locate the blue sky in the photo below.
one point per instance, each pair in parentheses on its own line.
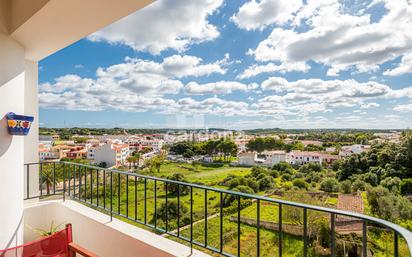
(238,65)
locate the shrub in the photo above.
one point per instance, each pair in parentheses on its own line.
(300,183)
(265,183)
(406,186)
(172,210)
(358,185)
(274,173)
(391,183)
(309,167)
(329,185)
(370,178)
(346,186)
(286,177)
(258,171)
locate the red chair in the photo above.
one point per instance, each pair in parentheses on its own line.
(60,244)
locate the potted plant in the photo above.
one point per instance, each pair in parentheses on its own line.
(52,244)
(18,124)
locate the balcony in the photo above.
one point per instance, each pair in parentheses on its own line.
(116,213)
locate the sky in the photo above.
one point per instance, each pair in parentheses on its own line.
(238,65)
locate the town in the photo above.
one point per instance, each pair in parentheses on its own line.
(124,150)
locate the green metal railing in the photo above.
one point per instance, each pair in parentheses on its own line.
(102,189)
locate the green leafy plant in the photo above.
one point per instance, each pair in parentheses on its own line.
(53,229)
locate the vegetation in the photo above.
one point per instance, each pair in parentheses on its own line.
(224,148)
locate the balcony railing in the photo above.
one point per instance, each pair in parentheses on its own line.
(137,197)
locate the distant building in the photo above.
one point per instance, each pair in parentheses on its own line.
(330,149)
(49,138)
(111,154)
(247,158)
(45,154)
(348,150)
(273,157)
(329,159)
(303,157)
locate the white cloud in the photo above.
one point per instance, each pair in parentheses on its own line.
(369,105)
(339,39)
(316,95)
(255,69)
(403,108)
(221,87)
(404,67)
(257,14)
(165,24)
(135,85)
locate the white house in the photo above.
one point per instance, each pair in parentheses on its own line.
(45,154)
(247,158)
(303,157)
(274,157)
(111,154)
(348,150)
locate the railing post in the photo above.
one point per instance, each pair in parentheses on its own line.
(28,181)
(155,204)
(364,239)
(191,220)
(166,204)
(104,189)
(145,200)
(118,192)
(205,217)
(238,225)
(332,235)
(395,244)
(305,232)
(280,230)
(178,210)
(91,186)
(97,187)
(221,223)
(258,228)
(135,197)
(64,182)
(111,196)
(54,178)
(127,196)
(41,179)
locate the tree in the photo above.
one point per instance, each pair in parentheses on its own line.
(171,211)
(257,145)
(156,162)
(173,188)
(227,148)
(47,179)
(330,185)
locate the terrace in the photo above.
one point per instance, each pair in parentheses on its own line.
(115,213)
(119,204)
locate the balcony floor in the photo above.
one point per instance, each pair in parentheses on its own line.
(94,231)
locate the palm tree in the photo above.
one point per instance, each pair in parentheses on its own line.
(47,178)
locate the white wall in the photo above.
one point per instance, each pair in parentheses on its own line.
(12,78)
(105,154)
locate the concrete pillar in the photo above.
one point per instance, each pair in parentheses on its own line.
(31,141)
